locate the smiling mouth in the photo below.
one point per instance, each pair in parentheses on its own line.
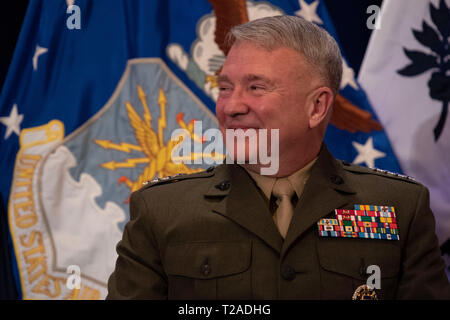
(241,127)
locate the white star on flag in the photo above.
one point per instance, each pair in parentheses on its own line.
(39,51)
(12,122)
(367,153)
(348,76)
(308,11)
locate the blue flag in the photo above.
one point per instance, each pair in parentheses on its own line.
(93,93)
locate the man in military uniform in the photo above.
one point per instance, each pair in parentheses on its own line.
(232,233)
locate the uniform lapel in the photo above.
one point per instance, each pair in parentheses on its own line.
(242,203)
(326,189)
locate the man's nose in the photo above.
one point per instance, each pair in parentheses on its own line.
(236,104)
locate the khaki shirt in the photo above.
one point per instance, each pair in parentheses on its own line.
(297,179)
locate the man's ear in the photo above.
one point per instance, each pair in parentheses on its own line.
(322,100)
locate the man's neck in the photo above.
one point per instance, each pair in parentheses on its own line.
(287,165)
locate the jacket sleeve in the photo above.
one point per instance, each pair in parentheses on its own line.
(138,273)
(422,273)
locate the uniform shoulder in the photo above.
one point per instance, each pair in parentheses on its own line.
(356,169)
(178,177)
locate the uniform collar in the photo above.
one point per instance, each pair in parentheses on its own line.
(236,196)
(297,179)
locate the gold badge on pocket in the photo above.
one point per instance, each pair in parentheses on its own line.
(363,292)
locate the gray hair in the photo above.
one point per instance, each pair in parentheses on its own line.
(313,42)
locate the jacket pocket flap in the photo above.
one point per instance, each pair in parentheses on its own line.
(206,260)
(352,257)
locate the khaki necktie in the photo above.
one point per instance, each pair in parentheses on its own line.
(283,191)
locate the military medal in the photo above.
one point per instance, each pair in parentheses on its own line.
(363,292)
(364,221)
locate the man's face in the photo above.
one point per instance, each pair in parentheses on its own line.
(263,89)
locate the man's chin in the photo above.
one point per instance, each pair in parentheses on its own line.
(253,148)
(243,154)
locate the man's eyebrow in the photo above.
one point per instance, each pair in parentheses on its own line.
(223,78)
(247,78)
(257,77)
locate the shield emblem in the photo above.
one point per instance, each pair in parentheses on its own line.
(69,196)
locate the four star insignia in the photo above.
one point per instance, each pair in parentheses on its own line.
(12,122)
(309,11)
(367,153)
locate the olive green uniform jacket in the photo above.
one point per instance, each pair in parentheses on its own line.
(211,236)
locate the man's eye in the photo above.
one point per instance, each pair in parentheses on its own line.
(225,91)
(224,88)
(256,88)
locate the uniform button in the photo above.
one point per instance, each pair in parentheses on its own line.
(205,269)
(224,185)
(287,272)
(336,179)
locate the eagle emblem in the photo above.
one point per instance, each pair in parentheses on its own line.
(156,153)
